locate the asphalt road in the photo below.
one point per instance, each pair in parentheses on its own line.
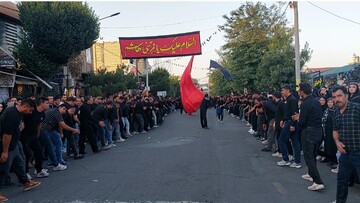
(181,162)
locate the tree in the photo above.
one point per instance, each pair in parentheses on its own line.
(104,82)
(159,80)
(53,33)
(259,50)
(174,86)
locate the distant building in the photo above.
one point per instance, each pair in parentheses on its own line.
(106,55)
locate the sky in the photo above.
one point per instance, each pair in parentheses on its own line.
(333,39)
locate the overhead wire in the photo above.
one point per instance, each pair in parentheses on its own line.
(352,21)
(161,25)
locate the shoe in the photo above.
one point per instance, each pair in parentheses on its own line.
(291,158)
(283,163)
(29,176)
(3,198)
(104,148)
(333,201)
(266,150)
(45,170)
(120,140)
(59,167)
(112,145)
(143,132)
(295,165)
(42,174)
(31,184)
(316,187)
(264,142)
(251,131)
(129,135)
(155,126)
(276,154)
(135,133)
(335,170)
(307,177)
(262,139)
(318,157)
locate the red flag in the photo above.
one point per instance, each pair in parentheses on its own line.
(191,96)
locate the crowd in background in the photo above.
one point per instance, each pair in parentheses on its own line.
(54,129)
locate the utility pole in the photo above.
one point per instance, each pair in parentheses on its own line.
(297,44)
(147,77)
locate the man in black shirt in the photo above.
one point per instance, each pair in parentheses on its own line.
(310,124)
(30,136)
(290,130)
(87,126)
(11,123)
(205,103)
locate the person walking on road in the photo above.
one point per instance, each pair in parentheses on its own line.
(203,108)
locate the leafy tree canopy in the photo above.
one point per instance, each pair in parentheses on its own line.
(259,50)
(54,32)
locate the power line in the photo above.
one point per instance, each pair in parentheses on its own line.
(162,25)
(334,14)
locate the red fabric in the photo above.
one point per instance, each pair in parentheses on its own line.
(191,96)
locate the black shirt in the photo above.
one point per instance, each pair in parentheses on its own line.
(205,103)
(31,122)
(100,113)
(291,106)
(310,113)
(10,124)
(279,114)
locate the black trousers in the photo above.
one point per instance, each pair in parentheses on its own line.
(71,146)
(34,146)
(203,119)
(87,131)
(310,142)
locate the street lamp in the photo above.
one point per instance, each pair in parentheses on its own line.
(112,15)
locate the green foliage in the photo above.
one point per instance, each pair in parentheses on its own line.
(110,82)
(54,32)
(159,80)
(259,51)
(174,89)
(95,91)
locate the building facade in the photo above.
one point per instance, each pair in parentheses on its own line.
(106,55)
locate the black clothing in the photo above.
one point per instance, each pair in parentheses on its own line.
(125,109)
(269,110)
(87,129)
(279,114)
(10,124)
(355,98)
(203,108)
(31,123)
(100,113)
(310,113)
(329,143)
(291,106)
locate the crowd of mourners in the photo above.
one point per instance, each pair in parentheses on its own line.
(55,129)
(320,124)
